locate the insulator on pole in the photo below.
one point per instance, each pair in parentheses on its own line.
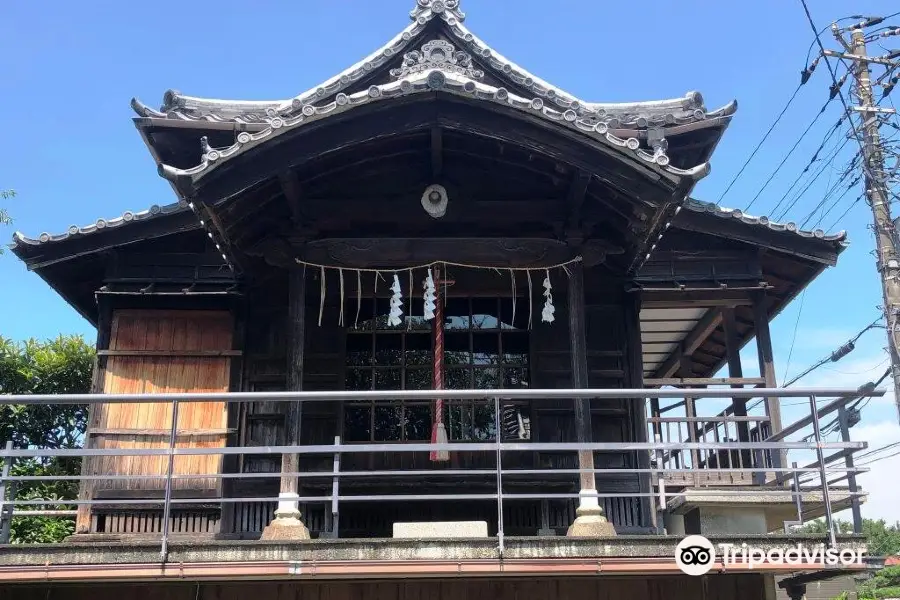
(842,351)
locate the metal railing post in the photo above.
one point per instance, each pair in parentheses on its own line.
(798,496)
(335,490)
(826,497)
(6,510)
(167,501)
(661,483)
(498,437)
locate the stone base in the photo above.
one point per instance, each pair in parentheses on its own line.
(444,529)
(285,528)
(590,522)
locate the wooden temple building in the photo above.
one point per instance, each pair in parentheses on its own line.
(433,217)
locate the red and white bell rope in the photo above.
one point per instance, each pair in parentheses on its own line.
(438,430)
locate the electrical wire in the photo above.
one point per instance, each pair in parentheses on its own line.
(831,191)
(834,356)
(844,214)
(838,354)
(860,402)
(815,158)
(853,183)
(759,145)
(791,151)
(840,93)
(875,460)
(794,337)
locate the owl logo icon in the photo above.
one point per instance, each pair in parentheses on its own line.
(695,555)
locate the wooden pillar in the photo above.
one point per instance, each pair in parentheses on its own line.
(590,520)
(287,523)
(638,408)
(767,371)
(766,360)
(104,334)
(732,348)
(231,463)
(844,423)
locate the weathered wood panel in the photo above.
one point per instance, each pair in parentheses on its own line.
(145,425)
(715,587)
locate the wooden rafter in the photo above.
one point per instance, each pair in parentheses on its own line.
(290,185)
(705,326)
(575,199)
(437,153)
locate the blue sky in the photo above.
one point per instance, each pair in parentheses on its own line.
(73,155)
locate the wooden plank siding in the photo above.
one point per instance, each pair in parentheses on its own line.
(182,335)
(744,586)
(552,420)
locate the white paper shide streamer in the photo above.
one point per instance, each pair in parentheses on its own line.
(549,309)
(396,302)
(429,296)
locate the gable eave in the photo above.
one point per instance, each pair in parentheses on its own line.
(674,116)
(424,82)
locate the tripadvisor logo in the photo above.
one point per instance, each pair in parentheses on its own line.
(696,555)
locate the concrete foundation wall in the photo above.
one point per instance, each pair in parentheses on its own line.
(716,587)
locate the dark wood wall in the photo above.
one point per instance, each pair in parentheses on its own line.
(263,423)
(715,587)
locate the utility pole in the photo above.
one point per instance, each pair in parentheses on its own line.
(876,191)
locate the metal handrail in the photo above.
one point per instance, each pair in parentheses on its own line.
(660,473)
(511,394)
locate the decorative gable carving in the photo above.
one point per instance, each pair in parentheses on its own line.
(437,54)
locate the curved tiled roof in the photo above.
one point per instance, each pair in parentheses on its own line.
(639,128)
(762,221)
(155,211)
(426,81)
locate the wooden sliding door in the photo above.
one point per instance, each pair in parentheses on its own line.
(152,352)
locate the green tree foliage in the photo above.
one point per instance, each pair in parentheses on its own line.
(60,366)
(4,216)
(5,219)
(885,584)
(882,539)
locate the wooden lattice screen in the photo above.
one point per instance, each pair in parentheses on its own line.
(155,351)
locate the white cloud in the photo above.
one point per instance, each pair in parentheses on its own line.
(852,372)
(881,483)
(878,426)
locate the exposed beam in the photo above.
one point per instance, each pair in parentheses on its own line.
(735,370)
(477,210)
(290,185)
(707,324)
(227,246)
(805,248)
(437,153)
(695,298)
(575,200)
(388,252)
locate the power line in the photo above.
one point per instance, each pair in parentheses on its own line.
(815,158)
(834,80)
(831,191)
(837,201)
(837,354)
(791,151)
(865,400)
(764,138)
(844,214)
(794,337)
